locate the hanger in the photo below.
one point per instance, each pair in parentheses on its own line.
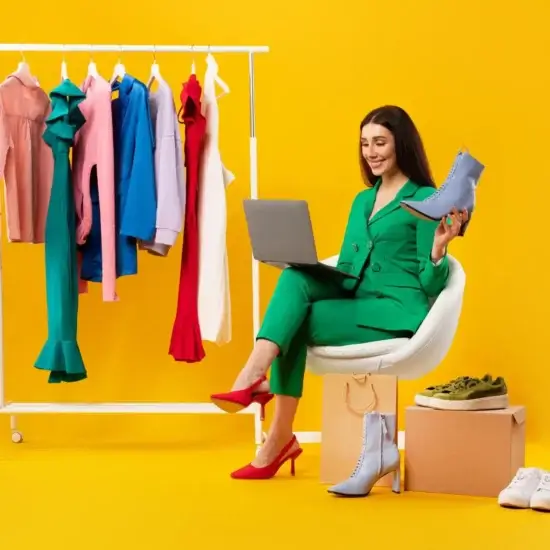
(64,72)
(211,62)
(119,70)
(92,67)
(193,68)
(155,70)
(23,68)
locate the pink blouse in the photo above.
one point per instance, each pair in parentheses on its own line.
(94,147)
(26,162)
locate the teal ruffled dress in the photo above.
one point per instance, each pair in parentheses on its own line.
(61,354)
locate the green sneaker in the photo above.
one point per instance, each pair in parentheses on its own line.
(472,395)
(422,399)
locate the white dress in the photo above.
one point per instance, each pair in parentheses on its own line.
(214,300)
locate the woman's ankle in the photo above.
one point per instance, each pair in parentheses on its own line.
(272,447)
(263,387)
(247,377)
(280,436)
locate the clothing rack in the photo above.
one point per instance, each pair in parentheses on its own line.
(14,409)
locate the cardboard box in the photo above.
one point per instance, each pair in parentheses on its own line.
(473,453)
(346,399)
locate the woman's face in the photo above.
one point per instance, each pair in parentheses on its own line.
(378,149)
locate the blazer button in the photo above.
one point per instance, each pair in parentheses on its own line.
(376,267)
(355,247)
(369,246)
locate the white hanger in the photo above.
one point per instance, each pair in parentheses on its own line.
(211,62)
(92,67)
(64,72)
(23,68)
(193,68)
(119,70)
(155,71)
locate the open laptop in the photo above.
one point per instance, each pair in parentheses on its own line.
(281,235)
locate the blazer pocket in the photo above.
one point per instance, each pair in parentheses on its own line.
(400,280)
(345,266)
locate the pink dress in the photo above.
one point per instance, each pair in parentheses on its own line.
(93,159)
(26,162)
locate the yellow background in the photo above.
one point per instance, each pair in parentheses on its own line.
(470,73)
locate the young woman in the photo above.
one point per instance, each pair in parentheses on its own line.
(397,262)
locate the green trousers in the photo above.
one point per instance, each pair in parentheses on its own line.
(307,310)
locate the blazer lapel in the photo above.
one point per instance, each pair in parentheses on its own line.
(408,190)
(369,200)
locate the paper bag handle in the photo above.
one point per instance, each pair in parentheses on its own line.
(361,379)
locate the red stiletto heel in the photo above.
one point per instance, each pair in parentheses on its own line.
(269,471)
(263,399)
(293,463)
(234,401)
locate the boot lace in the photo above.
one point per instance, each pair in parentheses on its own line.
(361,458)
(383,433)
(449,178)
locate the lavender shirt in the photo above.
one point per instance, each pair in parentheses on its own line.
(169,171)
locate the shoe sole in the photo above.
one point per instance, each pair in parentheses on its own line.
(481,404)
(418,214)
(541,508)
(227,406)
(422,400)
(345,495)
(513,506)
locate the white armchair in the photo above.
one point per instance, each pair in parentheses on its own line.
(405,358)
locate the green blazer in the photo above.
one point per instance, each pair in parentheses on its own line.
(392,255)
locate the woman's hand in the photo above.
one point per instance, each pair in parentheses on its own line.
(448,228)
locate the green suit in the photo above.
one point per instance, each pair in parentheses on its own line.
(391,255)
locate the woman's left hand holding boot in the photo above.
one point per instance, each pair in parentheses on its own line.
(448,228)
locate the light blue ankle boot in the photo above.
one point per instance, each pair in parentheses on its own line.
(458,191)
(379,456)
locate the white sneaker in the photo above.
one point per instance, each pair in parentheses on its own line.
(518,494)
(540,499)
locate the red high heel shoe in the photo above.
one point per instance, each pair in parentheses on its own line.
(234,401)
(269,471)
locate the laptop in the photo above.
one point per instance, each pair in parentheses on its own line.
(281,235)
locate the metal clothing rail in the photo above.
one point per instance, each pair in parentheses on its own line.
(14,409)
(130,48)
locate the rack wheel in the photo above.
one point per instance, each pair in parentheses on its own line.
(17,437)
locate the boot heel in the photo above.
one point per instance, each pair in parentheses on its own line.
(396,485)
(463,228)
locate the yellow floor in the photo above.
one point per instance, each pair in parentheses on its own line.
(171,497)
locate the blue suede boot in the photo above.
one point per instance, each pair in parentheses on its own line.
(458,191)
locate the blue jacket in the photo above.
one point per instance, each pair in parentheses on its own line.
(136,195)
(135,189)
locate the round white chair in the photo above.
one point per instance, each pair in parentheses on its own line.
(406,358)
